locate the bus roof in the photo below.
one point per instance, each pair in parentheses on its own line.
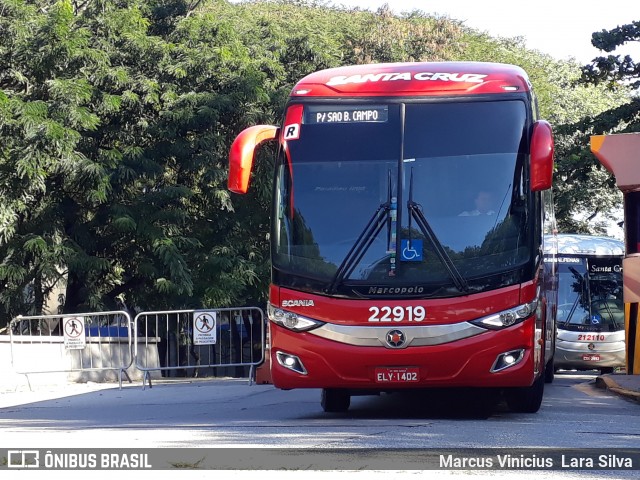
(579,244)
(414,78)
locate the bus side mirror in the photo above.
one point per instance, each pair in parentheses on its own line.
(541,156)
(242,152)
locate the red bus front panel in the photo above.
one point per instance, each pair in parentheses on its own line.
(465,363)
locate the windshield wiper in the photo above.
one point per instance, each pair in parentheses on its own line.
(415,211)
(362,243)
(609,311)
(582,281)
(567,322)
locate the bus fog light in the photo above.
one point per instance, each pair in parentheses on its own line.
(291,362)
(507,359)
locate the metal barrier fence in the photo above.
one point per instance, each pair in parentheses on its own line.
(84,343)
(191,343)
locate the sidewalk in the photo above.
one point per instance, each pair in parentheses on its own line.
(625,385)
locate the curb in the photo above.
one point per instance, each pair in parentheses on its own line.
(608,383)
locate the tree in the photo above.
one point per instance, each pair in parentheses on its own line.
(43,114)
(614,69)
(114,146)
(586,187)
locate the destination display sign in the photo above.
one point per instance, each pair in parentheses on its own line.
(324,114)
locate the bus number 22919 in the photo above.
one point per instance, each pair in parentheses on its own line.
(397,314)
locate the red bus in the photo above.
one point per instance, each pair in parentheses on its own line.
(410,204)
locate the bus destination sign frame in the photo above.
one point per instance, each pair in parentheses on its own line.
(332,114)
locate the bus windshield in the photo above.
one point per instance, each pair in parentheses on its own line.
(430,194)
(590,294)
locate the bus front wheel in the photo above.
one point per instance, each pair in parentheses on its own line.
(335,400)
(526,399)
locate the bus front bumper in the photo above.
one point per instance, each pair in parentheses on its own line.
(587,356)
(305,360)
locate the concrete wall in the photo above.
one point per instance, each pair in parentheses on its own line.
(45,360)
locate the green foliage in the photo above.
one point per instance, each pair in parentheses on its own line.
(614,69)
(615,74)
(116,118)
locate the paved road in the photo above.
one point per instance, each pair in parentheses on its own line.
(231,413)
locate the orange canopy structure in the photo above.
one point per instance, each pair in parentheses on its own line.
(620,154)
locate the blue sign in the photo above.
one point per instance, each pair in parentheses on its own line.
(411,250)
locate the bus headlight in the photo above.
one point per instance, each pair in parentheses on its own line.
(507,318)
(290,320)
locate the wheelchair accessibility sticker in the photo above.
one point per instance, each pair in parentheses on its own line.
(411,250)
